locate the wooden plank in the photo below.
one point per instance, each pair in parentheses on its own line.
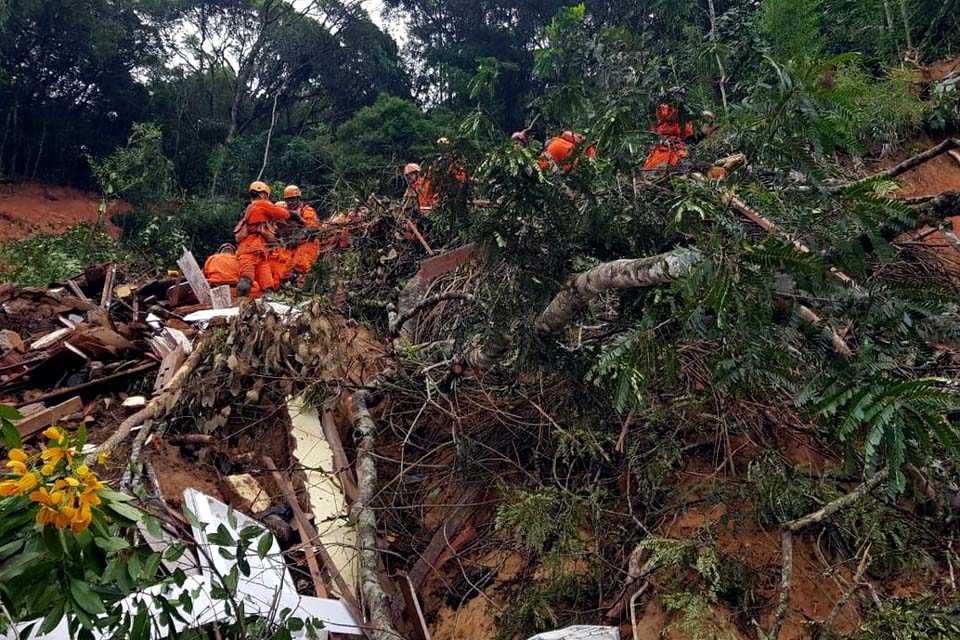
(107,296)
(415,613)
(168,367)
(341,464)
(194,275)
(220,297)
(30,425)
(59,393)
(447,531)
(77,291)
(50,339)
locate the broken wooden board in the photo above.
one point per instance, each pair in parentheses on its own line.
(40,420)
(446,532)
(221,298)
(119,375)
(168,367)
(194,275)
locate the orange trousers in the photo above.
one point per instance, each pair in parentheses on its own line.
(306,255)
(281,264)
(664,156)
(254,263)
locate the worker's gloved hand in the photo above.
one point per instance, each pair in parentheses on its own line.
(295,277)
(296,217)
(244,287)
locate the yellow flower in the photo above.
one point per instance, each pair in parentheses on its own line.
(82,519)
(50,508)
(54,434)
(19,486)
(16,464)
(53,456)
(103,457)
(65,483)
(48,469)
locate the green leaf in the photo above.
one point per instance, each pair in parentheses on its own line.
(140,629)
(52,619)
(151,566)
(81,436)
(11,437)
(125,511)
(133,568)
(263,546)
(222,537)
(17,565)
(9,413)
(174,552)
(192,518)
(111,544)
(85,597)
(114,496)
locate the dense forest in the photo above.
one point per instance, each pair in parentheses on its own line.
(714,401)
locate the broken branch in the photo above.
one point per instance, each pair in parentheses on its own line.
(577,293)
(903,167)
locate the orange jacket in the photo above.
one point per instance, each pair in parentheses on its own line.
(670,150)
(423,189)
(559,151)
(260,213)
(222,268)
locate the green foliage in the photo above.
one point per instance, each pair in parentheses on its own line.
(46,259)
(139,173)
(781,494)
(896,418)
(792,28)
(910,619)
(546,606)
(540,519)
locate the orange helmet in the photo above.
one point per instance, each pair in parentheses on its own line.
(292,191)
(411,168)
(226,247)
(568,136)
(444,141)
(259,187)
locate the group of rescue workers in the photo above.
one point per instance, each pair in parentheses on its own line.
(277,244)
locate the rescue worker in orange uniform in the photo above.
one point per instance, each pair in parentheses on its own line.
(558,152)
(223,268)
(255,233)
(671,149)
(419,187)
(307,252)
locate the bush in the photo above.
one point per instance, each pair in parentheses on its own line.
(45,259)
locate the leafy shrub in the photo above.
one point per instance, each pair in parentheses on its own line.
(792,27)
(139,172)
(44,259)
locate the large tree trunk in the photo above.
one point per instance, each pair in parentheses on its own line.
(573,299)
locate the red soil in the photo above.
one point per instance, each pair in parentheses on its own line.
(31,208)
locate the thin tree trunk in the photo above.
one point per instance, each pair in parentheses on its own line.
(905,16)
(365,520)
(13,139)
(716,52)
(890,28)
(36,163)
(273,123)
(3,141)
(574,297)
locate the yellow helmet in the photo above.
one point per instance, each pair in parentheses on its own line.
(292,191)
(411,168)
(259,187)
(444,141)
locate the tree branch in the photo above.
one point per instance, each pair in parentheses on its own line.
(799,524)
(903,167)
(577,293)
(397,325)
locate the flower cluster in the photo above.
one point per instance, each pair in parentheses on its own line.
(64,489)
